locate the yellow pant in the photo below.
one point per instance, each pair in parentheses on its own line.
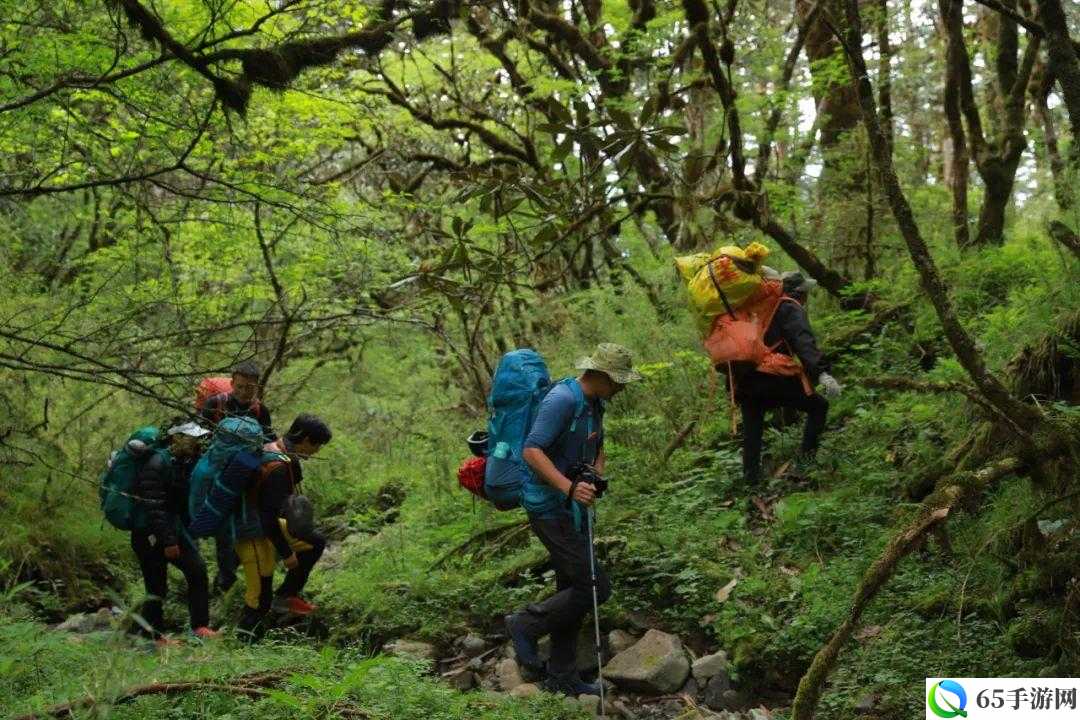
(258,556)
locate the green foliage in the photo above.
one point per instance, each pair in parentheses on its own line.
(316,684)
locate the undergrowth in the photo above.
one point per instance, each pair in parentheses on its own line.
(686,549)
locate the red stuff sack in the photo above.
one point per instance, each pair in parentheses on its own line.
(470,476)
(209,387)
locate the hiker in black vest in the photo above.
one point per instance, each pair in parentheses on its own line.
(757,392)
(275,523)
(567,433)
(242,401)
(160,489)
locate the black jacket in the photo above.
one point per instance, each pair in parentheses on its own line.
(219,407)
(276,488)
(266,497)
(158,488)
(791,328)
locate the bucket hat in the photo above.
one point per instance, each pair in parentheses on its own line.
(612,360)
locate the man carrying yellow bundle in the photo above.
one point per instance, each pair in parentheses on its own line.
(769,386)
(756,330)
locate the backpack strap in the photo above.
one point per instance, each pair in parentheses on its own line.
(579,400)
(808,388)
(271,465)
(772,314)
(271,461)
(716,284)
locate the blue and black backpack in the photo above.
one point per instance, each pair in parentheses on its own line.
(520,383)
(210,500)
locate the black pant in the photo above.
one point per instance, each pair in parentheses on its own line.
(297,578)
(561,614)
(757,393)
(155,573)
(250,624)
(227,562)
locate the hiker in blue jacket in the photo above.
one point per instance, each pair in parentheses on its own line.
(568,431)
(242,401)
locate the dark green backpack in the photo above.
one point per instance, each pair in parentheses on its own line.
(115,486)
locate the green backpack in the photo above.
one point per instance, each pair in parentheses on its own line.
(115,486)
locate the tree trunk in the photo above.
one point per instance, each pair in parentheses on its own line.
(1049,151)
(997,156)
(837,218)
(998,184)
(1064,64)
(835,98)
(961,342)
(885,70)
(956,168)
(1061,232)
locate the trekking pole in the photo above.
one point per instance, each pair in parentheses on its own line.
(596,611)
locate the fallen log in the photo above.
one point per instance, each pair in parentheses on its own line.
(250,685)
(492,534)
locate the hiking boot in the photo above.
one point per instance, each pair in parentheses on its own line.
(570,684)
(525,647)
(205,633)
(293,604)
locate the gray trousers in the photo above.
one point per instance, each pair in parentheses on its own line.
(560,615)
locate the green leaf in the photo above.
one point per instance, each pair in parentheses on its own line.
(648,111)
(622,119)
(560,111)
(553,128)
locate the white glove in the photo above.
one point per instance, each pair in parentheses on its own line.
(830,388)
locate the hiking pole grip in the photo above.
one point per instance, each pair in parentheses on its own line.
(570,494)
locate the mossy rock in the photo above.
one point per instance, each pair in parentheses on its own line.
(747,655)
(934,603)
(390,497)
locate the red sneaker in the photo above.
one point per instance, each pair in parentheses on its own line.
(205,633)
(163,642)
(295,605)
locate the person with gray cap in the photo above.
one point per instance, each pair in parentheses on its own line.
(757,392)
(160,487)
(565,450)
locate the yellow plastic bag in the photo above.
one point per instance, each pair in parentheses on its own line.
(688,265)
(735,270)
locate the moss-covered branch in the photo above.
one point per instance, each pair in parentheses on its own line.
(276,67)
(250,685)
(934,512)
